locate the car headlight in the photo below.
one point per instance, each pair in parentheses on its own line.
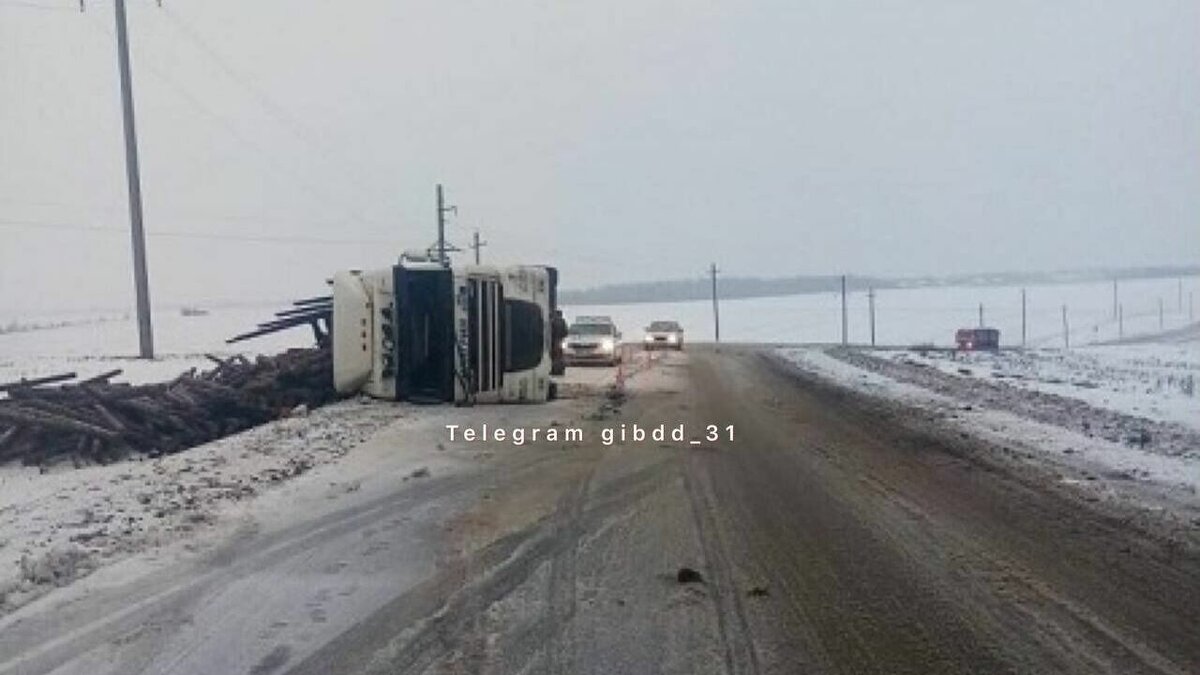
(649,338)
(607,344)
(671,338)
(564,344)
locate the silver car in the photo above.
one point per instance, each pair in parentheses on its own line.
(664,335)
(595,342)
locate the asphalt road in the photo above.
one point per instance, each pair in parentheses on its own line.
(832,534)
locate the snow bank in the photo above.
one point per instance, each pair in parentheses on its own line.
(1170,473)
(59,525)
(1156,382)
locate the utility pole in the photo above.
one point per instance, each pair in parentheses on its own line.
(1023,324)
(1066,329)
(476,244)
(1121,321)
(1115,308)
(712,272)
(981,315)
(871,306)
(845,318)
(141,283)
(442,210)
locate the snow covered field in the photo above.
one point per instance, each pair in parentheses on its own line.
(1155,381)
(916,316)
(94,343)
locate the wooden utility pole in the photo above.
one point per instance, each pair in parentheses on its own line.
(1121,321)
(442,210)
(981,315)
(1023,324)
(845,316)
(141,283)
(712,272)
(477,244)
(1115,308)
(871,310)
(1066,329)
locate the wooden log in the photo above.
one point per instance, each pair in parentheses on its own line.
(10,435)
(177,395)
(109,417)
(19,446)
(82,445)
(103,377)
(77,413)
(37,381)
(110,392)
(21,415)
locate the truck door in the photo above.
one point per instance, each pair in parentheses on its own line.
(425,334)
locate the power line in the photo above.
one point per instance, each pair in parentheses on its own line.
(284,167)
(275,110)
(28,4)
(188,216)
(179,234)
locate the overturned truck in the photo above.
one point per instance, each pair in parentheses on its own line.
(420,331)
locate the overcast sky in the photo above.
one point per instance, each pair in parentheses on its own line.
(621,140)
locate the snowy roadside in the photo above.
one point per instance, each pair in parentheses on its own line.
(59,525)
(1164,477)
(1152,381)
(1123,427)
(73,529)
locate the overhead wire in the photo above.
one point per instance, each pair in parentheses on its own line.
(277,111)
(182,234)
(29,4)
(202,107)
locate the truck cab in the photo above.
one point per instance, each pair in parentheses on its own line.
(423,332)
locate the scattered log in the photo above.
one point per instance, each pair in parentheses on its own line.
(103,377)
(34,418)
(37,381)
(9,435)
(99,421)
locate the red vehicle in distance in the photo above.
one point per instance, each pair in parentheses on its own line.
(977,339)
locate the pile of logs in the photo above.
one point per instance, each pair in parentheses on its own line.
(99,421)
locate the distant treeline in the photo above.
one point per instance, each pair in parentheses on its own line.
(755,287)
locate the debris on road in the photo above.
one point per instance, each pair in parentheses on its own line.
(98,421)
(687,575)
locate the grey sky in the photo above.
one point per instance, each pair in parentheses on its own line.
(619,140)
